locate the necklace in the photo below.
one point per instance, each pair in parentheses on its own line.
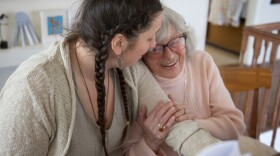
(181,99)
(87,89)
(185,85)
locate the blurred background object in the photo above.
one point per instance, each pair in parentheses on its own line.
(24,31)
(3,30)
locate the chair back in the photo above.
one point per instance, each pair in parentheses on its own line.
(239,79)
(265,41)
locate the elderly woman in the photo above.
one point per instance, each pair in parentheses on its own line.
(192,80)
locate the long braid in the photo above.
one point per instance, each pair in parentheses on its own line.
(125,102)
(100,60)
(124,95)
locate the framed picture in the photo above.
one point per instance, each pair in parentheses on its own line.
(53,24)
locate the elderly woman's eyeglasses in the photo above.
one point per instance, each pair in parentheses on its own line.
(174,45)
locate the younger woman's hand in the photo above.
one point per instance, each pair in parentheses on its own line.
(156,124)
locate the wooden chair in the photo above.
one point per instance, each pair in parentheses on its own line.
(238,79)
(265,41)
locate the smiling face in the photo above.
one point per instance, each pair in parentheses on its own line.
(169,63)
(144,41)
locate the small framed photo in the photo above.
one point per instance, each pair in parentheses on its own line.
(53,24)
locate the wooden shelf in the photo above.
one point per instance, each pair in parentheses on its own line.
(15,56)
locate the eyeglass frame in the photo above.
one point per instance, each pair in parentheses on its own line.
(151,50)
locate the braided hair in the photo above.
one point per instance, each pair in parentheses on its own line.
(96,23)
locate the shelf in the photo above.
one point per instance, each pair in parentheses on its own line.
(15,56)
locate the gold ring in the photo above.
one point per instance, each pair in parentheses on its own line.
(187,111)
(161,128)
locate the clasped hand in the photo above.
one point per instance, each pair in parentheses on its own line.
(157,123)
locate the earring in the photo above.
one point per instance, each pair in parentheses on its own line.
(119,61)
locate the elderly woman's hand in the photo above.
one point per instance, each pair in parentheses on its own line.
(183,112)
(156,124)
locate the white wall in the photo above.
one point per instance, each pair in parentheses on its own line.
(260,12)
(195,12)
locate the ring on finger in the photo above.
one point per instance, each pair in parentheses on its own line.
(186,111)
(161,128)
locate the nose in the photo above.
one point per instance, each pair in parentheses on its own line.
(168,53)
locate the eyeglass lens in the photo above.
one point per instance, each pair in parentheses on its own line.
(174,45)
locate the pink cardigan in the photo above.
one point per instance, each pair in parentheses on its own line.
(206,97)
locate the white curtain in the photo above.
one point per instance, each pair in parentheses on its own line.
(225,12)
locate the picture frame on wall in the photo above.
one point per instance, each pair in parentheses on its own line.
(53,24)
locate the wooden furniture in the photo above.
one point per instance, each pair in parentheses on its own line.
(238,79)
(247,146)
(267,34)
(276,117)
(255,147)
(226,37)
(266,41)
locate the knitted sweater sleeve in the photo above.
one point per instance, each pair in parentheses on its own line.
(226,121)
(145,90)
(25,129)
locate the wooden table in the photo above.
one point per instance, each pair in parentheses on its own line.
(255,147)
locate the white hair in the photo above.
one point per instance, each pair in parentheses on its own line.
(174,19)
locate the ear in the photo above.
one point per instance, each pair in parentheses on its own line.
(119,43)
